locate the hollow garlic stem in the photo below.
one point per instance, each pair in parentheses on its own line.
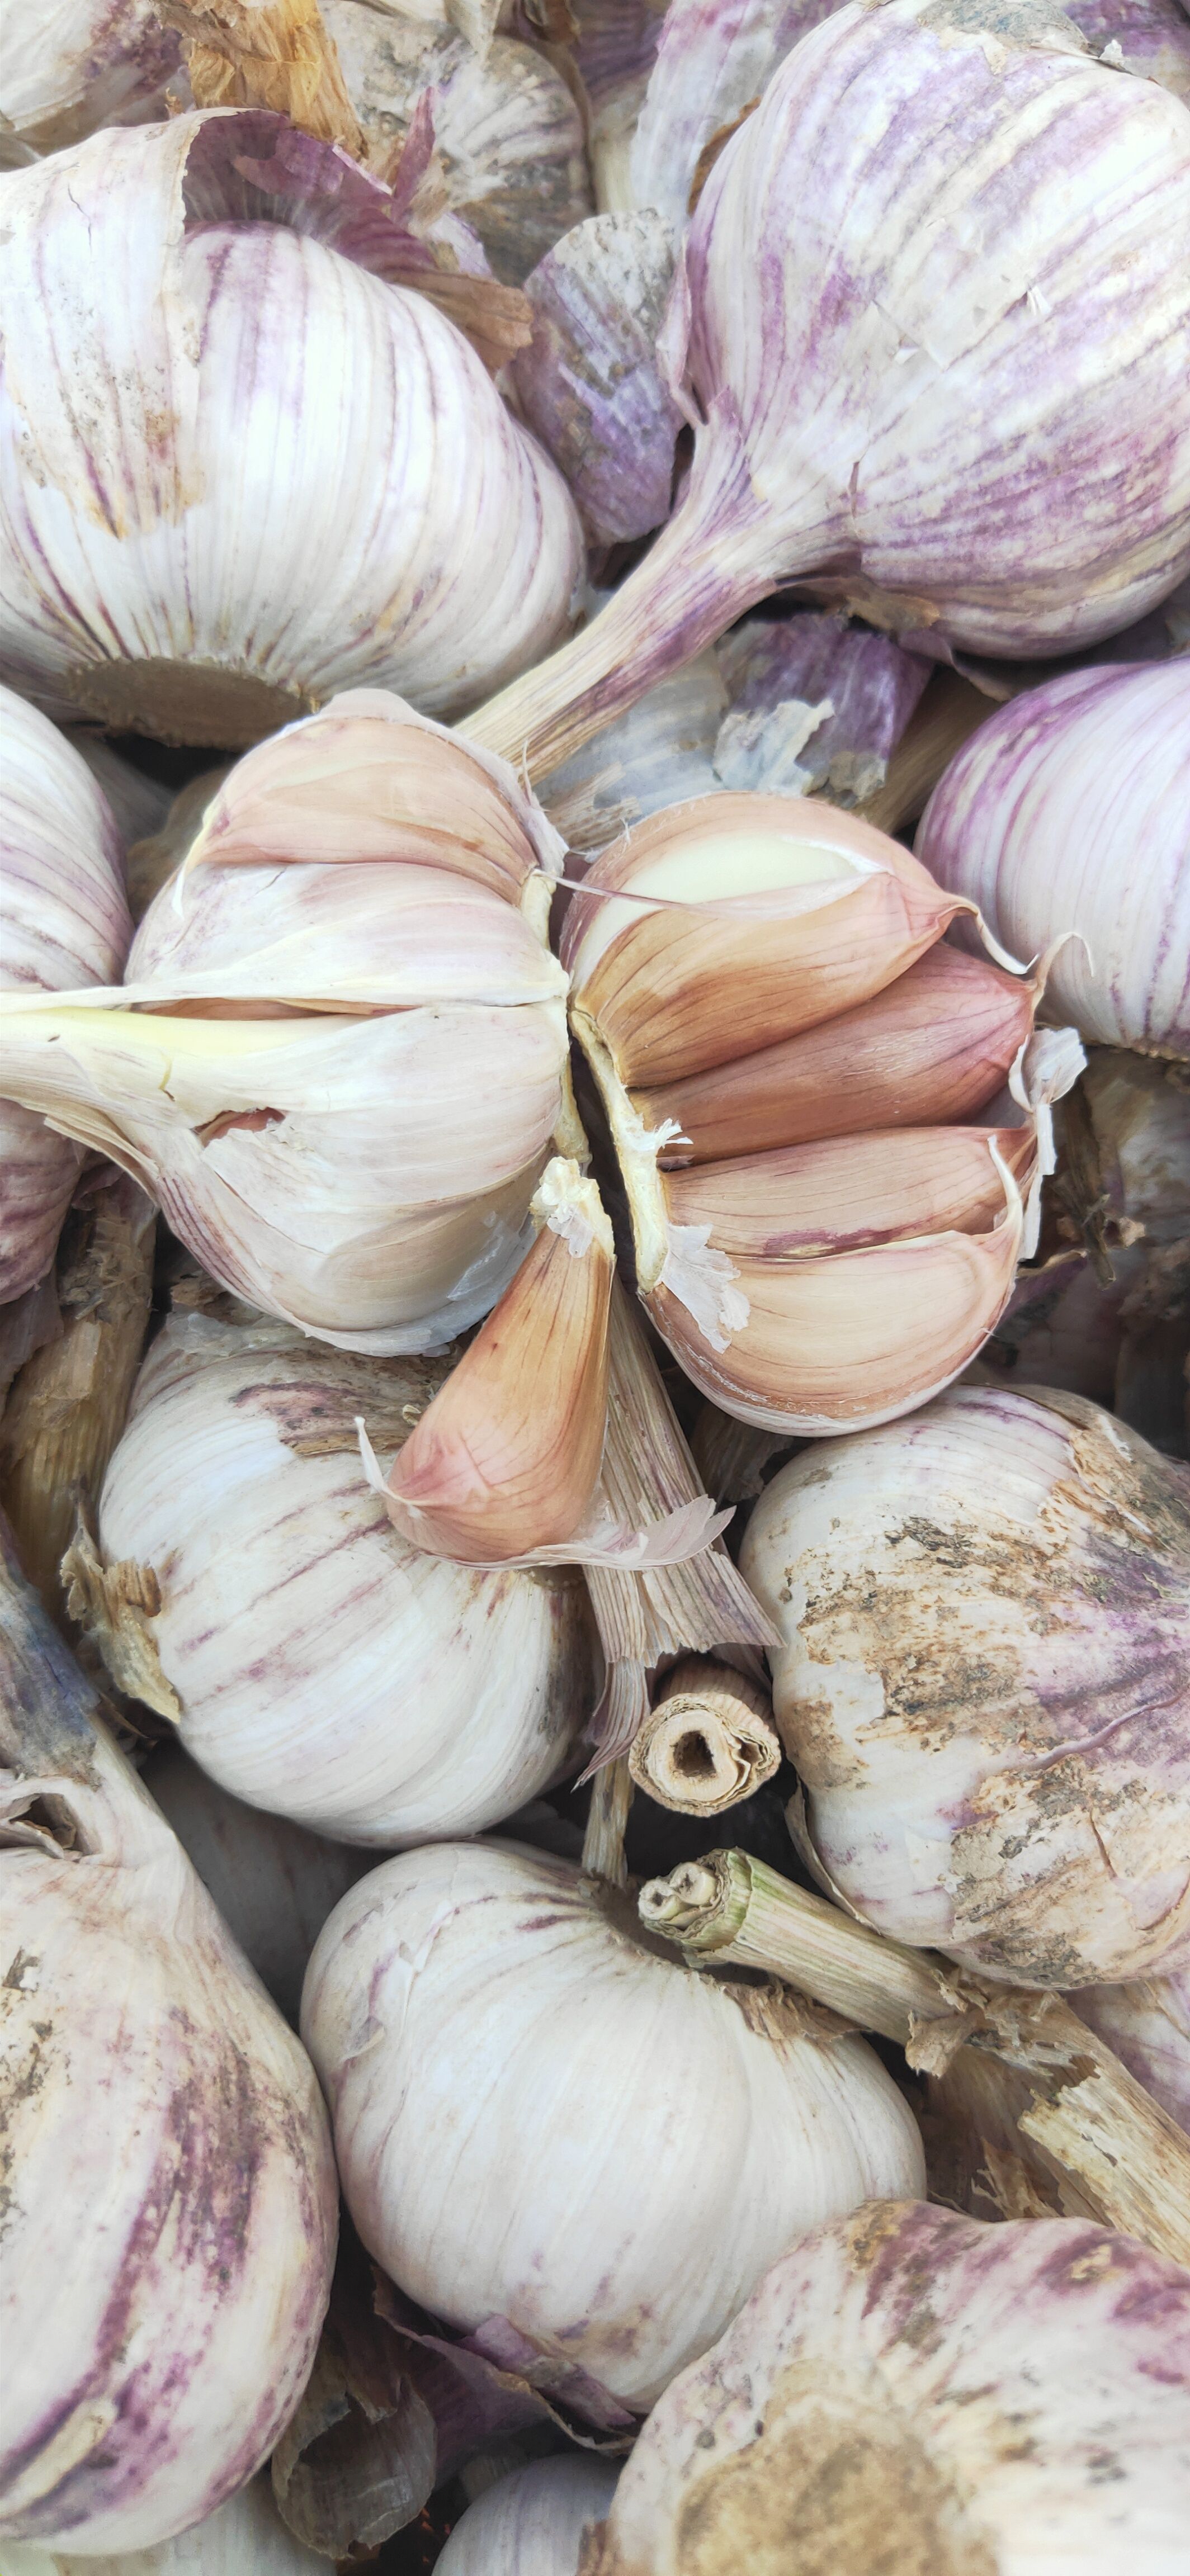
(709,1740)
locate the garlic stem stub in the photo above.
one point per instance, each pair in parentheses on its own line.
(596,2236)
(532,2523)
(986,1621)
(291,473)
(708,1741)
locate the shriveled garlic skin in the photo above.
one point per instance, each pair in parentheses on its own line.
(985,1681)
(68,66)
(1148,2024)
(632,2142)
(290,474)
(934,2395)
(532,2523)
(244,2537)
(1092,770)
(171,2227)
(63,922)
(326,1670)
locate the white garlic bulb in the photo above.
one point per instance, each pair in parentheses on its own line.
(985,1680)
(575,2150)
(1147,2022)
(316,1663)
(288,473)
(63,922)
(244,2537)
(913,2390)
(67,66)
(532,2523)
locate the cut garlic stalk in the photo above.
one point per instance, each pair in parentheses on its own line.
(709,1740)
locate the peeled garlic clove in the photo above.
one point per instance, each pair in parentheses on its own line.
(1020,2356)
(81,64)
(935,1045)
(63,922)
(579,2043)
(307,478)
(1094,769)
(590,384)
(244,2537)
(532,2523)
(163,2125)
(708,1741)
(986,1615)
(316,1665)
(506,1457)
(713,65)
(1147,2022)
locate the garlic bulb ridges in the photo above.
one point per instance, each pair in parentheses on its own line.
(532,2523)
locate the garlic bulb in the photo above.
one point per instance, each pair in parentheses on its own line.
(164,2132)
(919,2390)
(915,396)
(1094,769)
(244,2537)
(986,1616)
(63,922)
(589,384)
(68,66)
(316,1664)
(340,1053)
(1147,2022)
(532,2523)
(580,2215)
(752,1008)
(614,53)
(289,472)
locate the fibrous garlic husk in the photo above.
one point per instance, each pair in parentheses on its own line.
(986,1615)
(1147,2023)
(171,2226)
(889,407)
(290,472)
(532,2523)
(68,66)
(930,2393)
(782,1048)
(589,384)
(64,922)
(249,1586)
(1093,768)
(244,2537)
(581,2216)
(340,1052)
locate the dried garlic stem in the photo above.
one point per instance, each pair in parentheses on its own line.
(607,1816)
(950,712)
(1089,2125)
(709,1740)
(268,53)
(67,1406)
(731,1456)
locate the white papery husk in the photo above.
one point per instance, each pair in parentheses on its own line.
(532,2523)
(943,2395)
(244,2537)
(68,66)
(289,474)
(1147,2022)
(986,1614)
(317,1665)
(63,922)
(580,2208)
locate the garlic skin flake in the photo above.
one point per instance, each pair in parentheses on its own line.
(971,2400)
(589,384)
(984,1681)
(317,1665)
(63,922)
(244,2537)
(532,2523)
(1093,770)
(579,2207)
(289,474)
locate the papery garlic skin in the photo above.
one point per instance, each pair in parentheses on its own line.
(244,2537)
(532,2523)
(986,1614)
(578,2202)
(972,2400)
(1147,2022)
(1093,769)
(68,66)
(63,922)
(589,385)
(291,474)
(348,1681)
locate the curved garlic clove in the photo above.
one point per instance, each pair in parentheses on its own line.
(79,64)
(708,1741)
(1017,2358)
(217,280)
(347,1681)
(590,385)
(532,2523)
(244,2537)
(1094,768)
(986,1615)
(712,67)
(585,2052)
(1147,2022)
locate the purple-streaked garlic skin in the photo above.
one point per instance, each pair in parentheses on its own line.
(532,2523)
(871,684)
(985,1682)
(1152,35)
(69,66)
(590,386)
(244,2537)
(1070,810)
(63,923)
(968,2399)
(1148,2024)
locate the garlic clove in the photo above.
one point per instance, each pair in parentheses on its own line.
(850,1192)
(506,1458)
(589,385)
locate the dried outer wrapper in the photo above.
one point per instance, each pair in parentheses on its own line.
(709,1740)
(267,53)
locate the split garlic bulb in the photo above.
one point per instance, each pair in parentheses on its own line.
(63,921)
(171,2223)
(785,1053)
(1070,809)
(339,1056)
(287,474)
(633,2142)
(317,1664)
(68,66)
(985,1681)
(244,2537)
(912,2389)
(1147,2022)
(532,2523)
